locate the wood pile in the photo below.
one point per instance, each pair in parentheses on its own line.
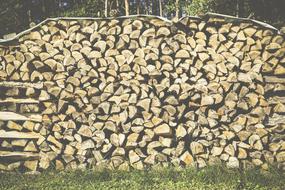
(142,92)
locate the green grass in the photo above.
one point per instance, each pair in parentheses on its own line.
(165,178)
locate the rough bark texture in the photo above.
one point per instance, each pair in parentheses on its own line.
(141,92)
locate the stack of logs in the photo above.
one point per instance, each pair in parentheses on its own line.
(142,92)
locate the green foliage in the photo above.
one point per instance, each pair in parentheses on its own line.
(217,177)
(198,7)
(170,6)
(10,16)
(269,11)
(90,8)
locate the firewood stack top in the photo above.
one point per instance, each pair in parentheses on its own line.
(142,92)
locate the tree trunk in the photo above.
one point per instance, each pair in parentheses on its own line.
(106,8)
(177,9)
(117,7)
(153,7)
(29,14)
(43,3)
(138,6)
(239,8)
(127,7)
(147,7)
(160,8)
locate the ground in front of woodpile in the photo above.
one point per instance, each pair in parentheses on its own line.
(167,178)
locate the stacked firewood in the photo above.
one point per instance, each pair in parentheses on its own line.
(143,92)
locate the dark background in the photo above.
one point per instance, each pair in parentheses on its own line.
(16,15)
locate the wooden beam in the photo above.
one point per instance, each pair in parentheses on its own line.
(18,135)
(273,79)
(19,155)
(21,84)
(276,99)
(276,119)
(20,101)
(6,116)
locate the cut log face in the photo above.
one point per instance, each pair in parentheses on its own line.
(196,148)
(142,91)
(163,130)
(187,158)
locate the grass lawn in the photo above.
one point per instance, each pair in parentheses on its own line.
(166,178)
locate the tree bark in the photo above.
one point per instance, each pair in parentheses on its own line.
(127,7)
